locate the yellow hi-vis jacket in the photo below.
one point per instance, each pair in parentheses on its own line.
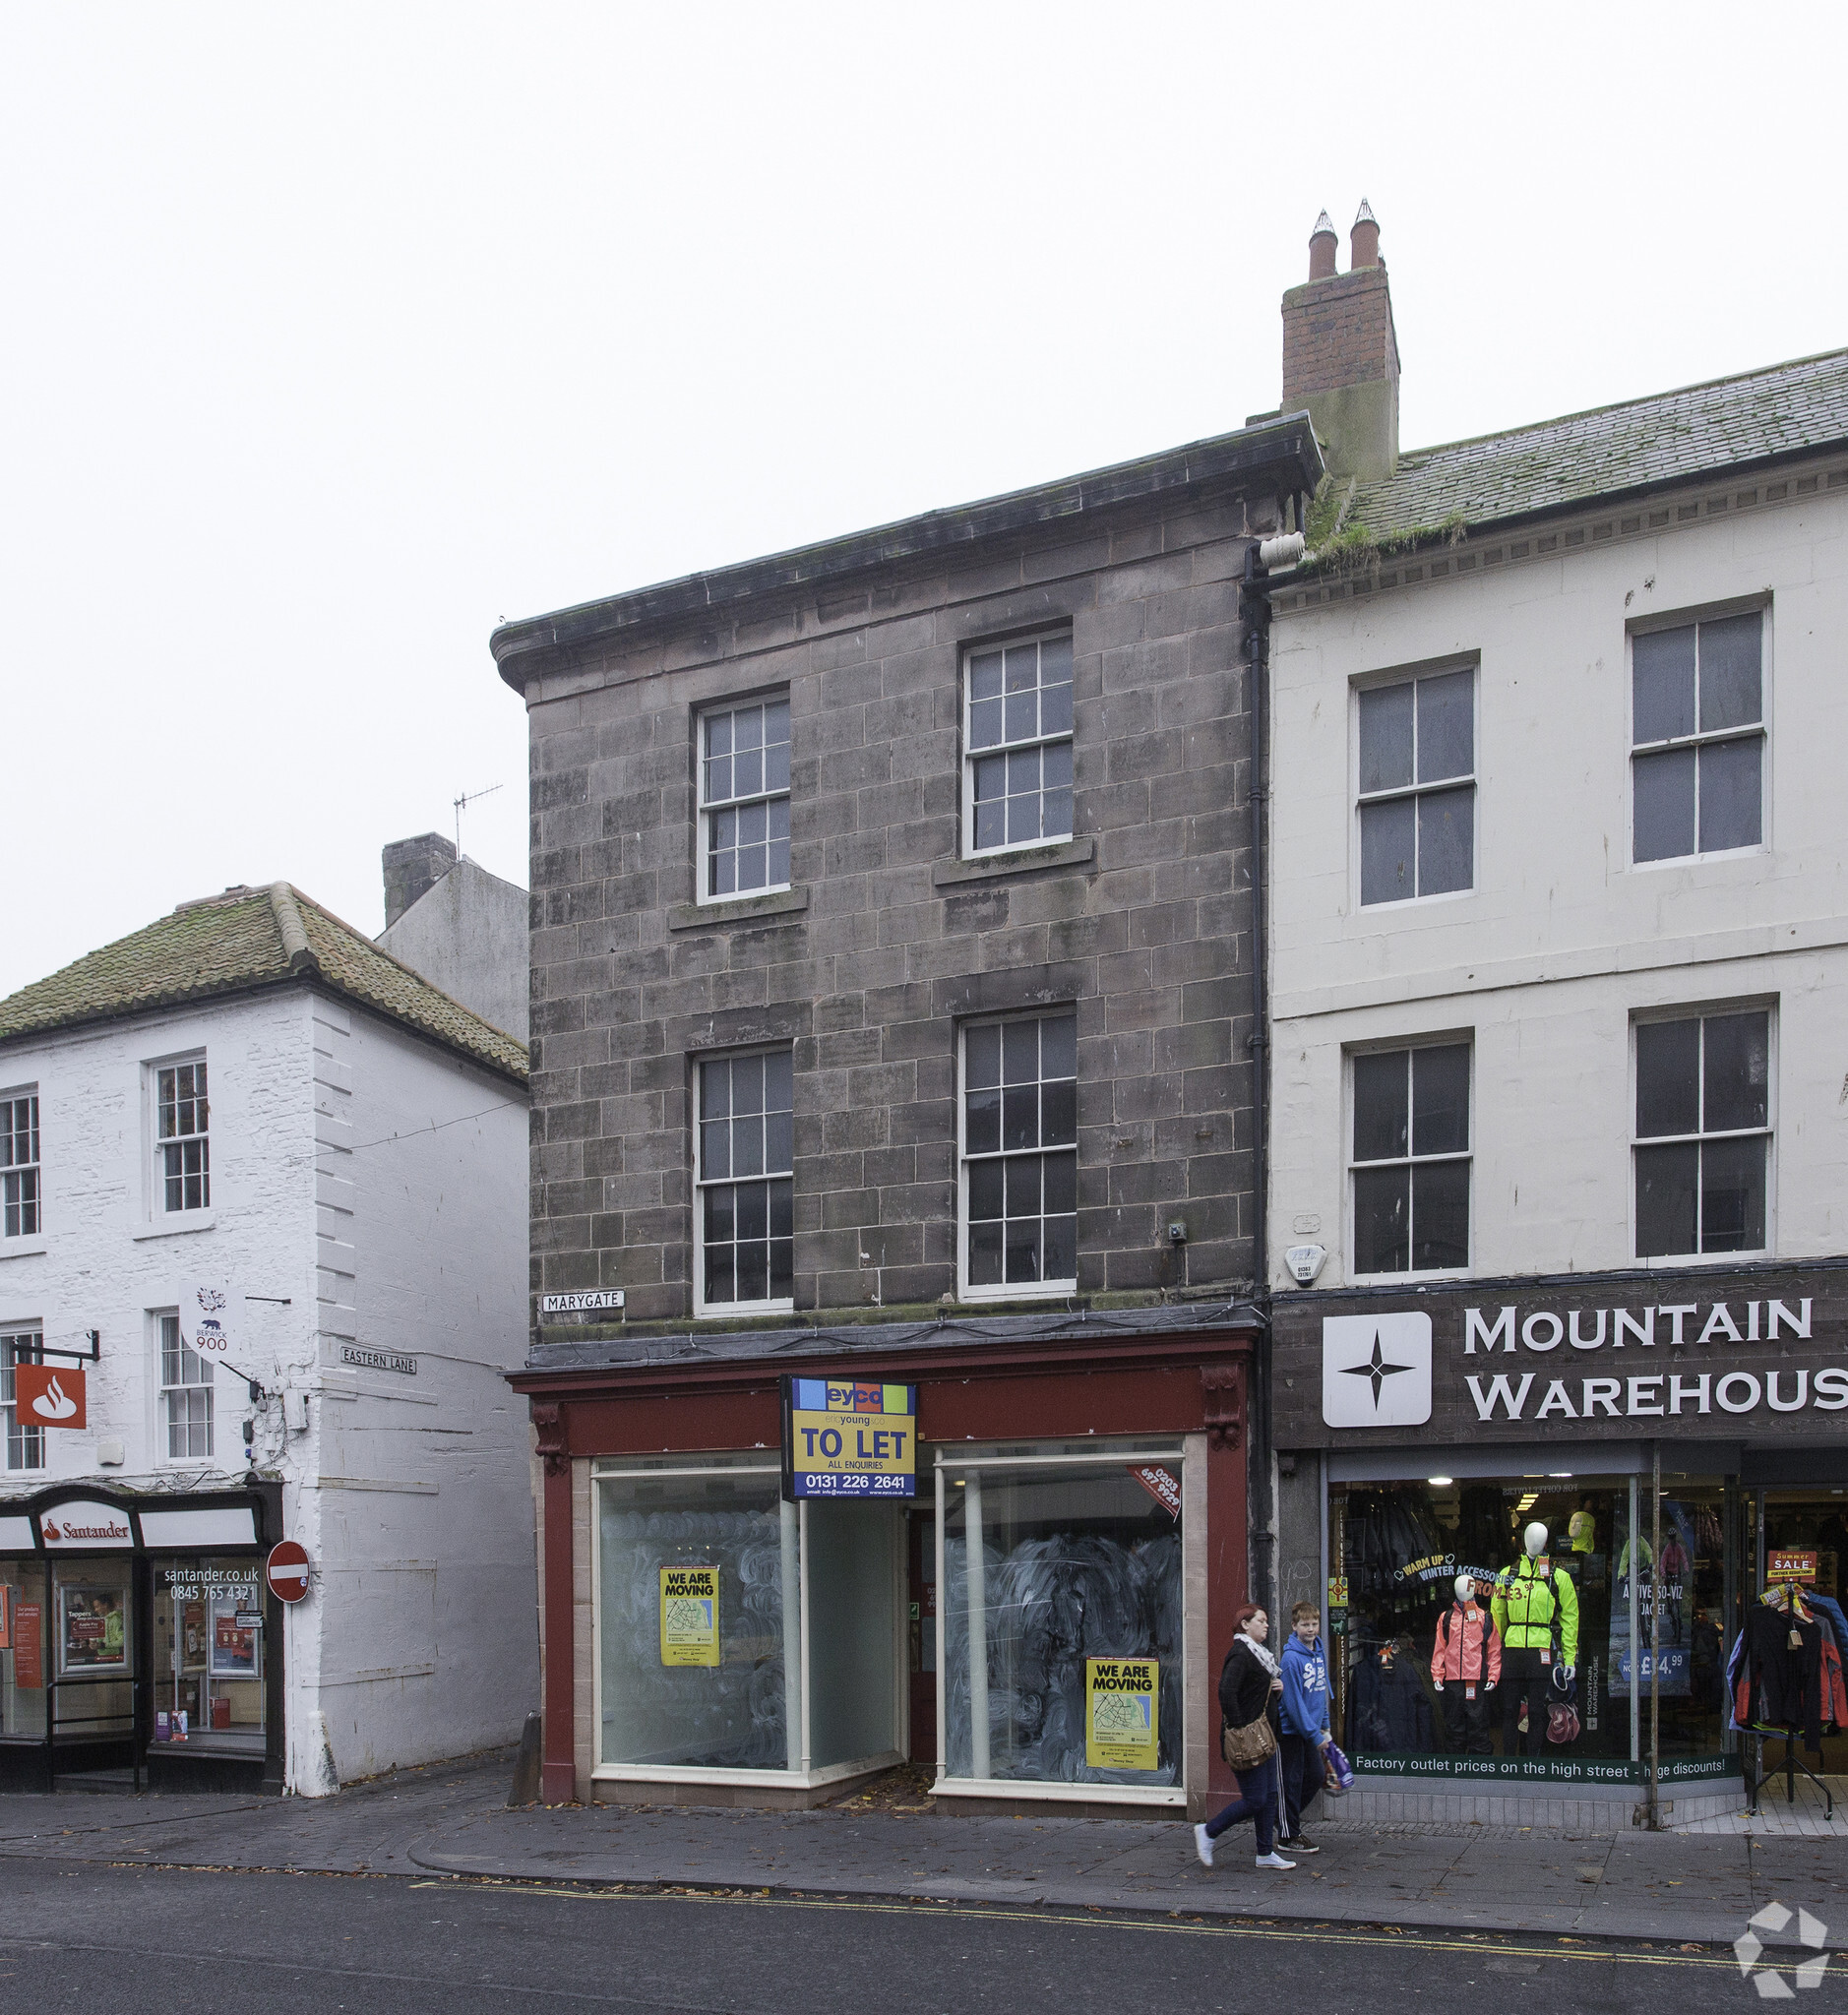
(1527,1597)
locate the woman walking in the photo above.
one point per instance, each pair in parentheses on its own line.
(1250,1686)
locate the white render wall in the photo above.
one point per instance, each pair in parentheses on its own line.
(1562,941)
(330,1188)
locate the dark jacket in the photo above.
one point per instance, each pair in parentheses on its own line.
(1245,1690)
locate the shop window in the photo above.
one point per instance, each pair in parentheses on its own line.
(1697,738)
(93,1643)
(185,1396)
(699,1621)
(745,1215)
(22,1691)
(25,1444)
(1410,1167)
(208,1655)
(1417,792)
(182,1135)
(1704,1136)
(1020,1158)
(1413,1692)
(1062,1623)
(22,1212)
(1017,772)
(744,800)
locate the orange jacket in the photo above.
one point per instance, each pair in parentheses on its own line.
(1458,1651)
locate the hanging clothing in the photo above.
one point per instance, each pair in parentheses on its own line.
(1391,1710)
(1529,1598)
(1782,1673)
(1466,1646)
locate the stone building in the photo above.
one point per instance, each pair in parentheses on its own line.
(892,992)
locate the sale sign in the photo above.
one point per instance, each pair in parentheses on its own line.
(1782,1563)
(49,1396)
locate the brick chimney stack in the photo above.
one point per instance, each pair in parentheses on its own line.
(1341,353)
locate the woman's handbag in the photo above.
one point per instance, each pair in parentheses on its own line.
(1247,1746)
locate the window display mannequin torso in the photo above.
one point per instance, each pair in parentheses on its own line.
(1530,1598)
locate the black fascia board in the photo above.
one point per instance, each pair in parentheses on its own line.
(1284,452)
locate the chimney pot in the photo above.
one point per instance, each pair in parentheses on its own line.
(412,867)
(1364,239)
(1322,248)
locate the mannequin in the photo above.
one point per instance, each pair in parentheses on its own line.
(1465,1663)
(1532,1598)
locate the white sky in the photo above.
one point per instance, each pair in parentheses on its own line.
(336,333)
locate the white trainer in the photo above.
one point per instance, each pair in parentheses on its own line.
(1202,1846)
(1273,1859)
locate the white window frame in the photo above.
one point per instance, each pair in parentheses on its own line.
(158,1212)
(1059,632)
(1001,1291)
(1704,1012)
(1691,618)
(1440,1039)
(165,1342)
(27,1338)
(19,1176)
(1415,675)
(702,1308)
(704,834)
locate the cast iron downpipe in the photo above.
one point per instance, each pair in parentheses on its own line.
(1254,607)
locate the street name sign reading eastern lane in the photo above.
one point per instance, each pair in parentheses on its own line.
(847,1437)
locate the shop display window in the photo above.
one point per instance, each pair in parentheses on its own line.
(1412,1687)
(697,1619)
(1062,1615)
(23,1692)
(208,1655)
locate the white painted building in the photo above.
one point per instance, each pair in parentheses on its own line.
(250,1097)
(1559,948)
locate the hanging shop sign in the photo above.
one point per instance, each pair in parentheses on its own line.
(844,1438)
(689,1616)
(206,1323)
(1121,1713)
(51,1396)
(29,1632)
(1754,1355)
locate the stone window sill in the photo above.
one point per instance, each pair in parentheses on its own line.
(1070,853)
(180,1222)
(746,909)
(25,1247)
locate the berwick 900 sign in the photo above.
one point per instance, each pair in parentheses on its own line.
(846,1438)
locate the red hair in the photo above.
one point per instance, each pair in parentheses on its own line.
(1244,1612)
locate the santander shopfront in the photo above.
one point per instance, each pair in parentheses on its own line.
(1424,1433)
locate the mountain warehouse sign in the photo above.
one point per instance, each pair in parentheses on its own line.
(1755,1357)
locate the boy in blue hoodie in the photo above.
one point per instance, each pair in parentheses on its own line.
(1304,1708)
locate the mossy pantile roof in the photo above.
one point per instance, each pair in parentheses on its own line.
(245,939)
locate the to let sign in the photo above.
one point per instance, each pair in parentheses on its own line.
(846,1437)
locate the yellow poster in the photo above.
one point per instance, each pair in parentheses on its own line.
(689,1616)
(1121,1713)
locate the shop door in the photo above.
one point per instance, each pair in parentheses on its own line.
(855,1568)
(921,1554)
(97,1662)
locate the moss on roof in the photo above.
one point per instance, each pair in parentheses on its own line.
(1673,437)
(251,937)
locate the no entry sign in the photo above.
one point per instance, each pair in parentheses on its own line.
(286,1570)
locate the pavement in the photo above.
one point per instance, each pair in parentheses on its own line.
(450,1820)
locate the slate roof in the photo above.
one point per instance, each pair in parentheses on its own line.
(244,939)
(1674,437)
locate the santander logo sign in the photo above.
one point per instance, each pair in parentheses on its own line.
(51,1395)
(85,1523)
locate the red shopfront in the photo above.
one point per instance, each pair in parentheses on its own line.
(1105,1474)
